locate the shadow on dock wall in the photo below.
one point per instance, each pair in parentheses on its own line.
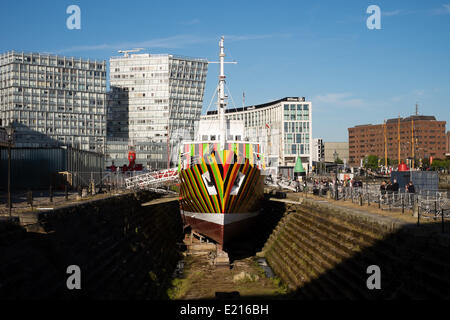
(323,256)
(124,251)
(253,241)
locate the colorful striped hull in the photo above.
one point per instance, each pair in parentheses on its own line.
(219,200)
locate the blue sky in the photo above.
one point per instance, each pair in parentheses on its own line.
(322,50)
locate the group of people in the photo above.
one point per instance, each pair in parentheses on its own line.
(389,187)
(323,185)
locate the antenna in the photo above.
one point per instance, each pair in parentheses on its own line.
(398,137)
(221,98)
(417,109)
(385,146)
(126,52)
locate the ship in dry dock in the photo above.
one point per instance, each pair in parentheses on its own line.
(221,175)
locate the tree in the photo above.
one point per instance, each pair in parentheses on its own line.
(439,164)
(425,163)
(371,162)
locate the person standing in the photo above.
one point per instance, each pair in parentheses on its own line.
(395,186)
(383,187)
(410,187)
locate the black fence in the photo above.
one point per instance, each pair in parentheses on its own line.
(425,204)
(38,168)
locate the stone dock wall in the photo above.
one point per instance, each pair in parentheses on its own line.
(323,251)
(124,250)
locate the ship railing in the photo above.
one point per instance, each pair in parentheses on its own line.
(197,159)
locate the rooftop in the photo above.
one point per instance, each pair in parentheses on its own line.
(407,119)
(157,55)
(413,117)
(47,54)
(258,106)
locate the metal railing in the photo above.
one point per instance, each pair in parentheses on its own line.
(425,204)
(371,195)
(152,180)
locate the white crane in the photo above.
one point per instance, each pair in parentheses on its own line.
(126,52)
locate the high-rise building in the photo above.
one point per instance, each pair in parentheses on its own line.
(283,127)
(318,152)
(53,100)
(154,102)
(415,137)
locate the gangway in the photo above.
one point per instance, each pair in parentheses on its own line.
(152,180)
(286,184)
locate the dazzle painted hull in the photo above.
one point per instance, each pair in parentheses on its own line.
(221,199)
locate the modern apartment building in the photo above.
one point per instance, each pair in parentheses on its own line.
(155,101)
(416,136)
(318,152)
(283,127)
(53,100)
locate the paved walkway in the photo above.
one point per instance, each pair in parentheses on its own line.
(41,201)
(407,216)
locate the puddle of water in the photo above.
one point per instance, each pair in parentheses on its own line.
(178,272)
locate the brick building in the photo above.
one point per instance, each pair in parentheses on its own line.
(427,133)
(448,142)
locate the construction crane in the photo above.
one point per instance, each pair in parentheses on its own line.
(126,52)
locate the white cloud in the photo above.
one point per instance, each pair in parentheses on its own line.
(173,42)
(341,100)
(255,36)
(168,42)
(397,98)
(391,13)
(191,22)
(445,9)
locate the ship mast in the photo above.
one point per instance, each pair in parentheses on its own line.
(221,96)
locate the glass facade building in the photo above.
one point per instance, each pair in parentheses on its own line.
(155,100)
(54,100)
(283,127)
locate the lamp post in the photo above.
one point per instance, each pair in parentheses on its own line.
(336,192)
(10,133)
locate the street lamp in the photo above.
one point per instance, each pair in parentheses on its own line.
(10,134)
(336,192)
